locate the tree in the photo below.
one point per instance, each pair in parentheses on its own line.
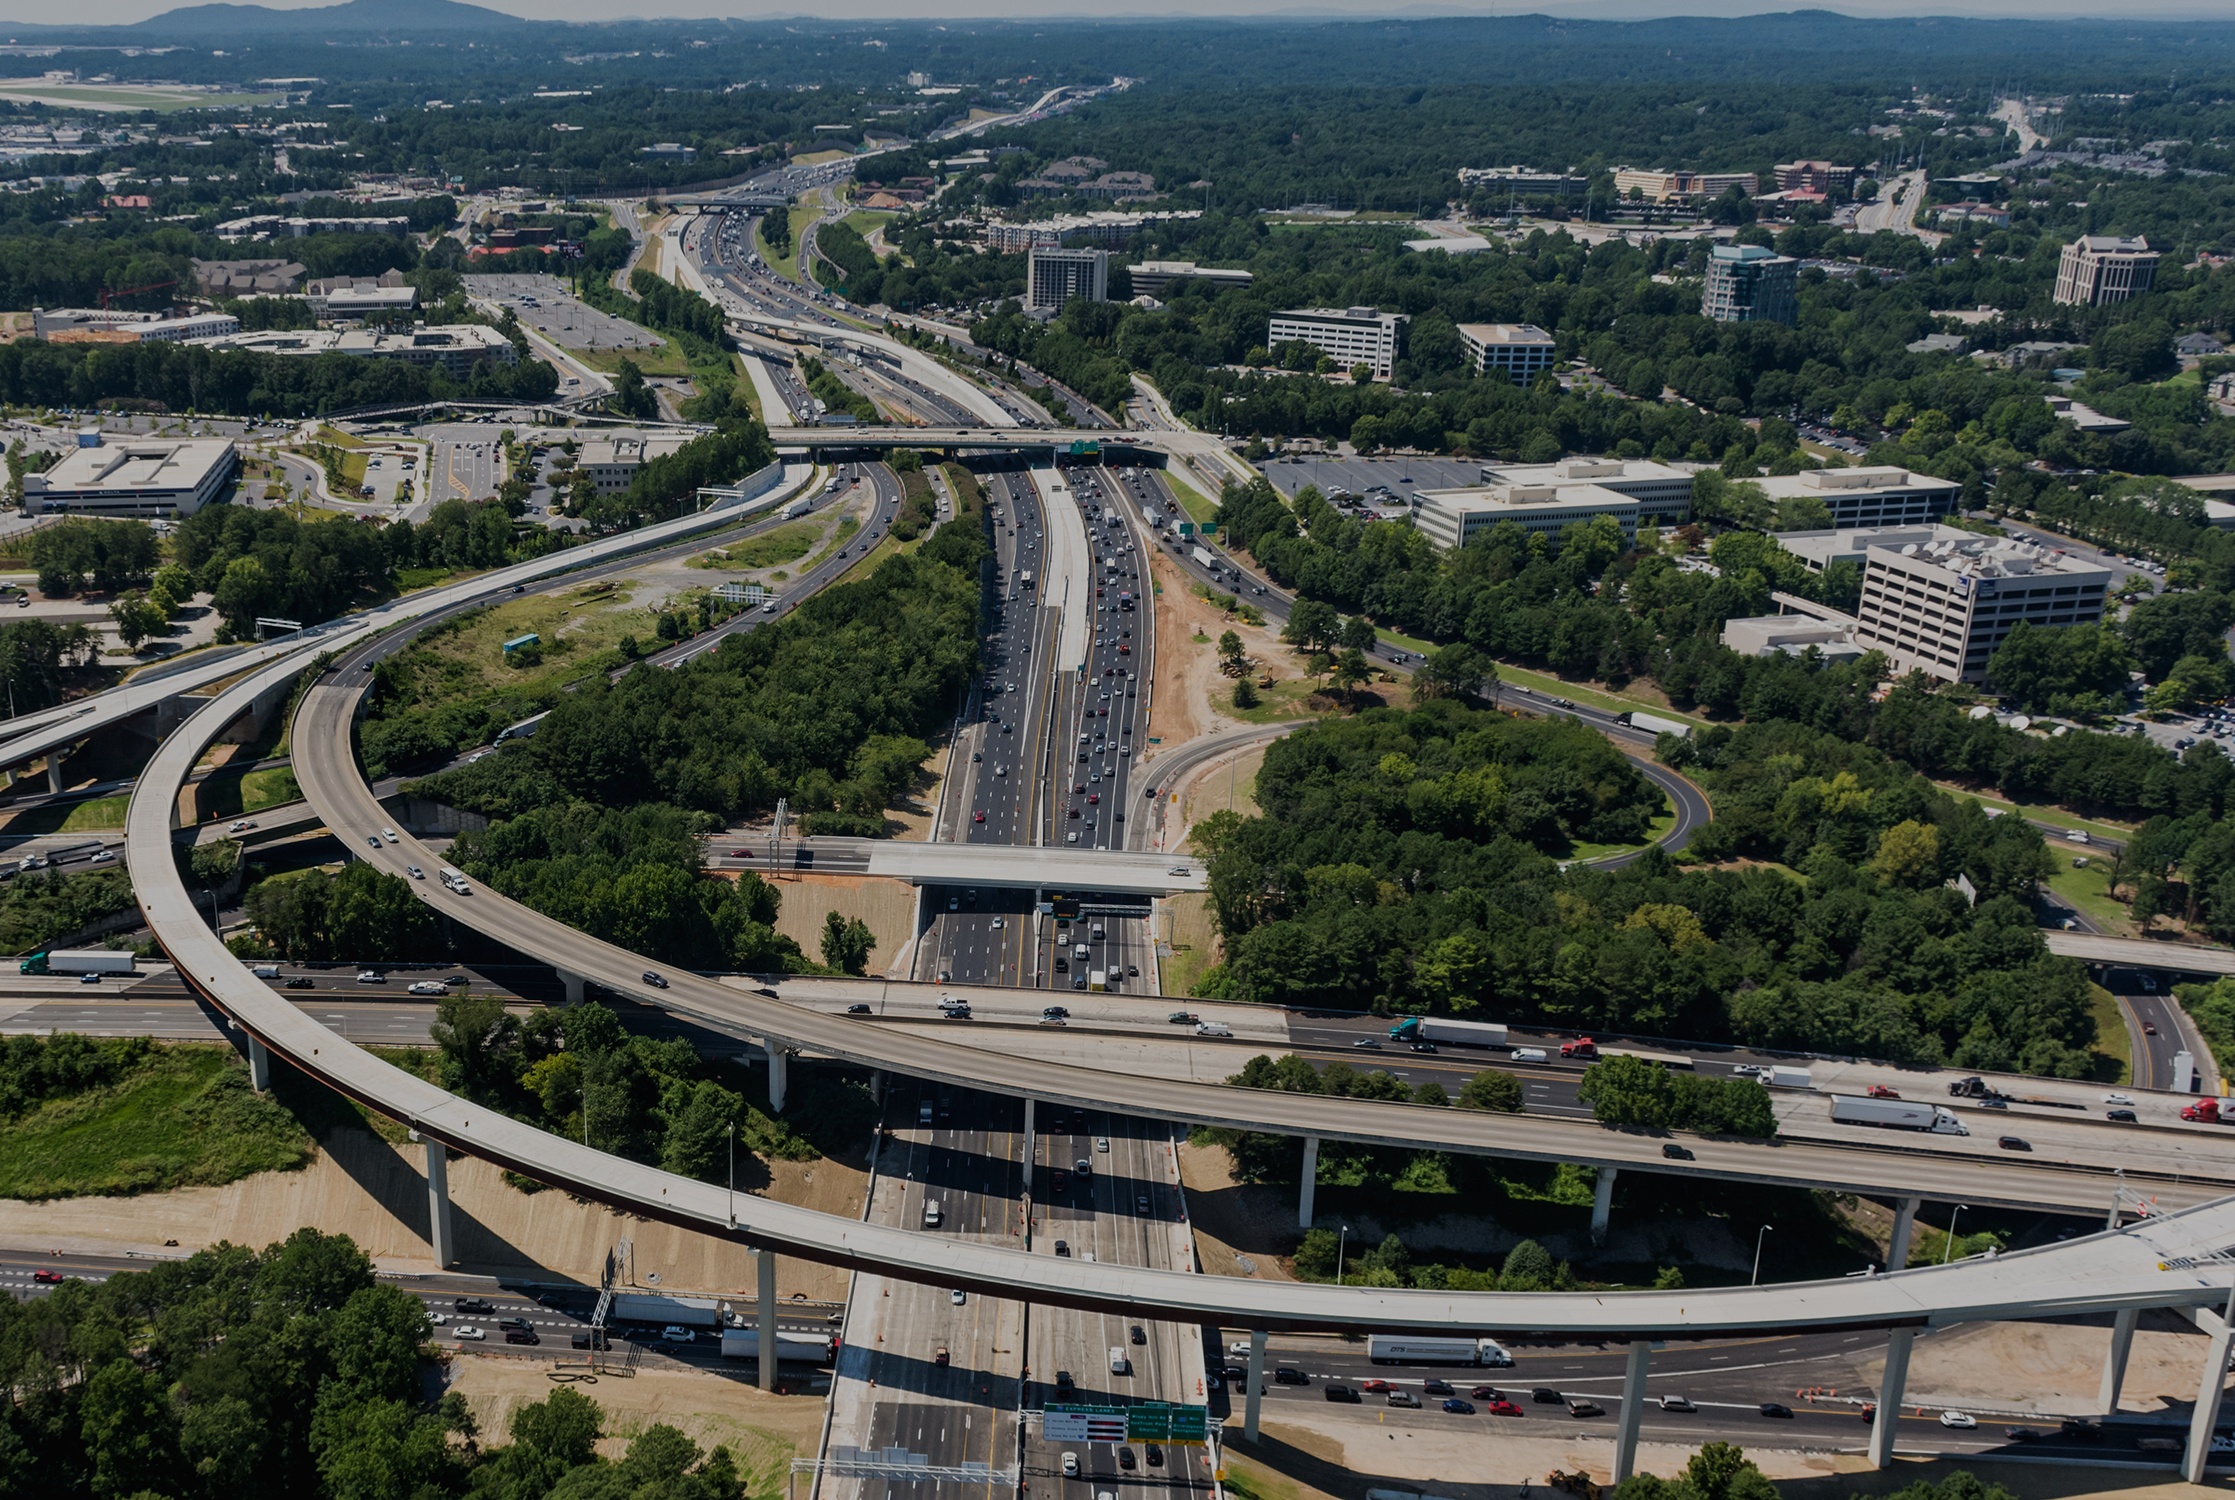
(1456,671)
(631,396)
(1312,625)
(1528,1268)
(1233,659)
(1358,634)
(847,943)
(480,1041)
(1349,672)
(1626,1090)
(128,1431)
(137,617)
(1908,855)
(1245,693)
(1492,1089)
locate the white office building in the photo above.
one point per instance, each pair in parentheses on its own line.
(1833,640)
(2096,270)
(1869,497)
(1452,518)
(140,478)
(1350,336)
(1519,349)
(1151,277)
(612,462)
(1055,275)
(453,347)
(1663,494)
(1942,607)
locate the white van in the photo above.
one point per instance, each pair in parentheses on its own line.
(931,1213)
(1213,1028)
(1079,950)
(266,971)
(1119,1364)
(1529,1054)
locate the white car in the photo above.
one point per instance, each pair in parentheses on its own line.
(102,857)
(439,1320)
(1102,1143)
(429,987)
(241,825)
(1070,1466)
(675,1333)
(2076,835)
(1958,1419)
(2118,1099)
(468,1331)
(958,1296)
(415,872)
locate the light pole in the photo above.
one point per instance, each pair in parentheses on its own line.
(1341,1244)
(1756,1278)
(1950,1248)
(733,1174)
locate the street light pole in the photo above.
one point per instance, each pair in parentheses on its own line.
(1756,1278)
(1950,1248)
(733,1174)
(1341,1245)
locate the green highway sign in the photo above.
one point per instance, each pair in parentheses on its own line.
(1148,1424)
(1191,1425)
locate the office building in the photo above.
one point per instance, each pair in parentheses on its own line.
(1689,187)
(1350,336)
(1814,177)
(612,462)
(141,478)
(1151,277)
(1523,182)
(1452,518)
(668,151)
(1751,284)
(455,348)
(1519,349)
(1054,276)
(2096,270)
(1818,550)
(1942,607)
(1793,635)
(247,278)
(1868,497)
(351,301)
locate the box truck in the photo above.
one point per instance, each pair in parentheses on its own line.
(1895,1114)
(1437,1029)
(1788,1078)
(1390,1349)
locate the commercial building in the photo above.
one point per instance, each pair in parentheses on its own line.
(1519,349)
(1672,187)
(1818,550)
(1101,226)
(1546,497)
(1993,215)
(1151,277)
(346,301)
(1750,284)
(455,347)
(1793,635)
(1942,607)
(296,226)
(1868,497)
(668,151)
(612,462)
(1524,182)
(1350,336)
(1814,177)
(142,478)
(269,277)
(1055,275)
(2096,270)
(2086,417)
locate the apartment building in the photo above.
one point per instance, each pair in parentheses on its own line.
(1519,349)
(1350,336)
(1869,497)
(2096,270)
(1751,284)
(1055,275)
(1942,607)
(1673,187)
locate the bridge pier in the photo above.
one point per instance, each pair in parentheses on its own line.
(572,984)
(1602,1204)
(2114,1366)
(2204,1420)
(1905,1224)
(1030,1145)
(1890,1385)
(767,1310)
(1633,1410)
(1256,1379)
(778,1058)
(259,1065)
(877,1084)
(439,1237)
(1310,1182)
(54,772)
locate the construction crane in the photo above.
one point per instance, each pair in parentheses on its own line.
(153,286)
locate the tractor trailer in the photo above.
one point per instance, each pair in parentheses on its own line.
(1655,724)
(791,1348)
(1895,1114)
(1460,1033)
(79,961)
(1388,1349)
(650,1308)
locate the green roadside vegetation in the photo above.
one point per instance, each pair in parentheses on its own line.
(38,906)
(2087,886)
(785,265)
(99,813)
(1199,507)
(1288,698)
(2114,1048)
(127,1115)
(1584,851)
(666,359)
(784,544)
(2049,813)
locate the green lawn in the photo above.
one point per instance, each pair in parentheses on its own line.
(1199,508)
(787,543)
(99,814)
(185,1118)
(2114,1052)
(1283,701)
(2088,888)
(786,265)
(274,786)
(667,359)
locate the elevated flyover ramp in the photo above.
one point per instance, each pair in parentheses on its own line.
(996,866)
(2141,953)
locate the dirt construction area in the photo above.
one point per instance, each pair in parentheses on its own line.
(376,1193)
(763,1432)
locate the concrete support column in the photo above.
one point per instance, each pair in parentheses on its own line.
(2209,1390)
(54,772)
(572,983)
(1602,1204)
(1633,1410)
(769,1361)
(1309,1185)
(259,1065)
(777,1060)
(1256,1384)
(877,1085)
(1905,1223)
(438,1205)
(1031,1144)
(2114,1367)
(1890,1387)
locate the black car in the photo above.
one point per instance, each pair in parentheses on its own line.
(1434,1387)
(857,1009)
(1138,1334)
(654,980)
(1423,1046)
(1290,1375)
(1777,1409)
(473,1305)
(521,1336)
(301,982)
(2014,1143)
(1154,1454)
(2122,1116)
(1544,1395)
(1344,1394)
(1125,1457)
(1674,1152)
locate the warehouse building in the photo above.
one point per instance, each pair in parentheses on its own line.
(139,478)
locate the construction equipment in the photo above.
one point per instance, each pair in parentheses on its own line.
(1579,1484)
(130,291)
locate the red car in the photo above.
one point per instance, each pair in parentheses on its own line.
(2149,1028)
(741,854)
(980,818)
(1374,1386)
(49,1277)
(1503,1409)
(1880,1091)
(1093,797)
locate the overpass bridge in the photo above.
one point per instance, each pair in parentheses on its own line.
(2141,953)
(2175,1260)
(997,866)
(1059,441)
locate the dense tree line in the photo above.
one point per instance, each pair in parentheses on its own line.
(358,914)
(36,907)
(81,551)
(35,657)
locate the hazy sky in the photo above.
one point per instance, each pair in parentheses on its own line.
(98,12)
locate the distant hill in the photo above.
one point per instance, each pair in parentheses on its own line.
(351,18)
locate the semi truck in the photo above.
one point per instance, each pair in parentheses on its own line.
(791,1348)
(78,961)
(1582,1047)
(1390,1349)
(1461,1033)
(798,508)
(659,1310)
(1204,556)
(1778,1077)
(1654,724)
(1895,1114)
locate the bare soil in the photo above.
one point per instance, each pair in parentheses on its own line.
(1240,1229)
(763,1432)
(888,906)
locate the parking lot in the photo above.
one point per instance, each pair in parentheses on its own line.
(544,304)
(1358,475)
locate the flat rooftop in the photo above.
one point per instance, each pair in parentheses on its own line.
(1824,482)
(157,465)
